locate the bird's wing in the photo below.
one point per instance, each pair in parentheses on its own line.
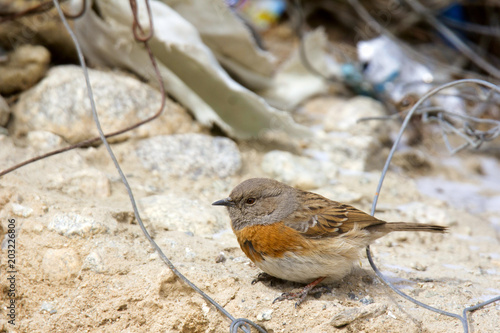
(320,217)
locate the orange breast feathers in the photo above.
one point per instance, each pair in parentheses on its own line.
(270,240)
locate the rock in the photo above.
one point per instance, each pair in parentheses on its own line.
(339,193)
(190,155)
(44,141)
(343,117)
(297,171)
(366,300)
(350,144)
(348,316)
(4,112)
(94,263)
(124,217)
(411,160)
(220,258)
(265,315)
(90,182)
(60,264)
(356,152)
(175,212)
(418,266)
(26,65)
(71,224)
(321,105)
(189,254)
(106,256)
(50,307)
(59,104)
(423,213)
(20,210)
(39,28)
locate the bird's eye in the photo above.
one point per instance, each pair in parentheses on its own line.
(250,201)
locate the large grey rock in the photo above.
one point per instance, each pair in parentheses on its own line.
(298,171)
(27,64)
(59,104)
(190,155)
(174,212)
(72,224)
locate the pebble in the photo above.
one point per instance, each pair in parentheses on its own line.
(349,315)
(94,263)
(20,210)
(352,296)
(182,213)
(418,266)
(190,155)
(366,300)
(60,264)
(72,224)
(49,307)
(265,315)
(220,258)
(189,253)
(297,171)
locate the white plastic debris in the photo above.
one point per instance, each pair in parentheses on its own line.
(392,72)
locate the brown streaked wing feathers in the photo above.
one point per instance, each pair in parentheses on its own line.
(321,217)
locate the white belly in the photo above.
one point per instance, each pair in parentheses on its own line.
(306,269)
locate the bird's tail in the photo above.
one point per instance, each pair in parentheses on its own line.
(407,226)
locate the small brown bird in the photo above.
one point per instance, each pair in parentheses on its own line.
(302,236)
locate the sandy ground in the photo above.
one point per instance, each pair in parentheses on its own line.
(110,280)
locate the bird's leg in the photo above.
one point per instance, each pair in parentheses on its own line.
(301,295)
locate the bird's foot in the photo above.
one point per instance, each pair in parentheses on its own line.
(301,295)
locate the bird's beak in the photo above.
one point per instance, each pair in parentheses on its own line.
(224,202)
